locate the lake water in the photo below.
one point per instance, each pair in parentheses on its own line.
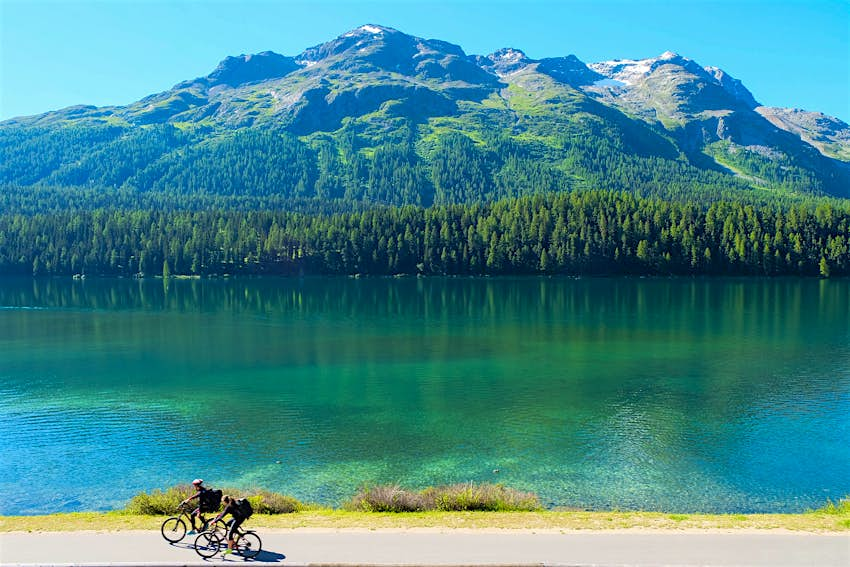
(724,395)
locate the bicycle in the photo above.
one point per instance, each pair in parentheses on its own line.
(247,543)
(174,528)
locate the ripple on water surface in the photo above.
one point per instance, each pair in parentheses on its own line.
(680,395)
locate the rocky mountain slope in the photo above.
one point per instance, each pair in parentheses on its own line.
(377,115)
(829,135)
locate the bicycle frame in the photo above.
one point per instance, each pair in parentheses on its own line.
(174,528)
(208,544)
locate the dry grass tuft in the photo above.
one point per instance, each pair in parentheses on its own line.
(454,498)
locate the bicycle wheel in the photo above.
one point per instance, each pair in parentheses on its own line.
(173,529)
(207,544)
(249,545)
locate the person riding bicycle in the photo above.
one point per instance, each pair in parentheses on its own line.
(200,493)
(231,506)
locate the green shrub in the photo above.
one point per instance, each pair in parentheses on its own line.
(158,502)
(458,497)
(841,507)
(265,502)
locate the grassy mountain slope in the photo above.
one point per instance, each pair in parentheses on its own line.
(378,116)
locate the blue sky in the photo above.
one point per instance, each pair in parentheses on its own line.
(55,53)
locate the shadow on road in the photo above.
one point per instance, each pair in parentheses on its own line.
(269,557)
(263,557)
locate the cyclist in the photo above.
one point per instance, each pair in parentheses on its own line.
(231,507)
(200,493)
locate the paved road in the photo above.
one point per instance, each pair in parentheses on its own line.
(456,547)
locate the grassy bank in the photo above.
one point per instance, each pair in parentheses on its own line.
(449,507)
(817,521)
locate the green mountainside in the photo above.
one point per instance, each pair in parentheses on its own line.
(383,153)
(376,116)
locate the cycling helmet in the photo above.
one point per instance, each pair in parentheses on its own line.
(198,481)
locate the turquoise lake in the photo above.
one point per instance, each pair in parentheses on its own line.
(714,395)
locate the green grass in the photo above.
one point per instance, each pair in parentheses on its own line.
(326,518)
(525,102)
(471,506)
(494,101)
(539,95)
(837,151)
(443,125)
(668,123)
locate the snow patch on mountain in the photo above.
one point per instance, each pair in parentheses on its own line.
(608,83)
(506,61)
(509,55)
(625,71)
(632,71)
(368,28)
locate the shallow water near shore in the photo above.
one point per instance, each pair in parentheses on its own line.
(713,395)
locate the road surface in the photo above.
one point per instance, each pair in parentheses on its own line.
(445,547)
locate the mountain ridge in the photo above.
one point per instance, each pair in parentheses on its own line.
(387,88)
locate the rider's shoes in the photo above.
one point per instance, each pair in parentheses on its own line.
(226,551)
(191,532)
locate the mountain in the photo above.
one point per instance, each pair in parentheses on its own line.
(379,116)
(829,135)
(708,111)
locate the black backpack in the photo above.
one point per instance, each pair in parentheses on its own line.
(244,507)
(210,500)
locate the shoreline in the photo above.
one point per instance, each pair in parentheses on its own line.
(409,276)
(543,531)
(323,521)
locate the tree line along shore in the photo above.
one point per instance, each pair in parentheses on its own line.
(584,232)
